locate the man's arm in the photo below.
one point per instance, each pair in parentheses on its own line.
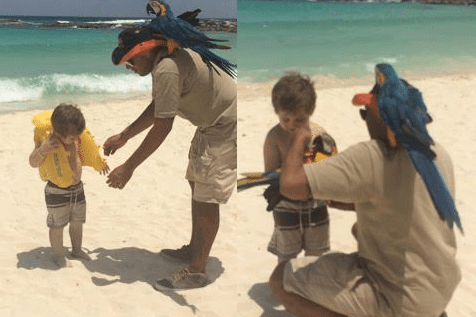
(145,120)
(119,177)
(293,179)
(155,137)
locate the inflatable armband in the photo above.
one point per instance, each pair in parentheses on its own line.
(55,167)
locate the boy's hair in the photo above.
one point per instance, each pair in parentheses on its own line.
(294,92)
(68,120)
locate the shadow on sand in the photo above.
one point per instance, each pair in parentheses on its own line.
(261,294)
(125,265)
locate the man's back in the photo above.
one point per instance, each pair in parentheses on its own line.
(408,251)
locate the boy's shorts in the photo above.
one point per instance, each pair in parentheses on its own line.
(64,205)
(336,281)
(300,225)
(212,163)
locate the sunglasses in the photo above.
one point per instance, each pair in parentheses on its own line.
(128,65)
(363,114)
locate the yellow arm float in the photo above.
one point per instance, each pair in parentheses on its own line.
(55,167)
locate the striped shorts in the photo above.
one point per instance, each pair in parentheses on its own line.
(64,205)
(300,225)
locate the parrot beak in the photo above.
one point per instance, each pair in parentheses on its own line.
(370,101)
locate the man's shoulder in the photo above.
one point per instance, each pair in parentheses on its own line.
(172,63)
(364,152)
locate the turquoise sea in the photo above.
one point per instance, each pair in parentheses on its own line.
(43,66)
(344,40)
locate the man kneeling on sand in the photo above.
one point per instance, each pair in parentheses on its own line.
(405,264)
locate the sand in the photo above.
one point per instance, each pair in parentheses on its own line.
(126,229)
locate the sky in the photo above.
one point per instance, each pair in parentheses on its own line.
(114,8)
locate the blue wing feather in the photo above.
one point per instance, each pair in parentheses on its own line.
(402,108)
(188,37)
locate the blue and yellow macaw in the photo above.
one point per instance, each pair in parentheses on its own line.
(186,36)
(323,146)
(403,111)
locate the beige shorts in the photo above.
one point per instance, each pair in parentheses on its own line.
(64,205)
(212,164)
(336,281)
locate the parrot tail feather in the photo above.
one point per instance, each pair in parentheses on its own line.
(436,186)
(247,182)
(265,179)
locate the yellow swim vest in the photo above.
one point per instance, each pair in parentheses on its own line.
(55,167)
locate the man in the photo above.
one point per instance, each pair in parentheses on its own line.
(184,85)
(405,264)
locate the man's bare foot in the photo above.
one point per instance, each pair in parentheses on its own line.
(59,260)
(80,254)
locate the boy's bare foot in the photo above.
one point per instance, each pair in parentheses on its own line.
(59,260)
(80,254)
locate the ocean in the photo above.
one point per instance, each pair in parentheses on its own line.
(44,66)
(343,41)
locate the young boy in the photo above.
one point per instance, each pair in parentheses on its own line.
(299,225)
(62,146)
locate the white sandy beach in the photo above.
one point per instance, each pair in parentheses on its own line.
(126,229)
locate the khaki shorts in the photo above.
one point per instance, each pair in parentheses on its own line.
(212,164)
(64,205)
(336,281)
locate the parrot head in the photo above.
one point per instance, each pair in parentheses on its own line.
(385,74)
(387,80)
(159,8)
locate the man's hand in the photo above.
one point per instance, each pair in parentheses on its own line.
(104,170)
(119,177)
(340,205)
(113,144)
(302,136)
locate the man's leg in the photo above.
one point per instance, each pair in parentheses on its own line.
(205,222)
(193,237)
(295,303)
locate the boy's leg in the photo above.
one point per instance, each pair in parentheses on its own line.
(76,235)
(56,241)
(295,303)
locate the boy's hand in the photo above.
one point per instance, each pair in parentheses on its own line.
(49,145)
(113,144)
(119,177)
